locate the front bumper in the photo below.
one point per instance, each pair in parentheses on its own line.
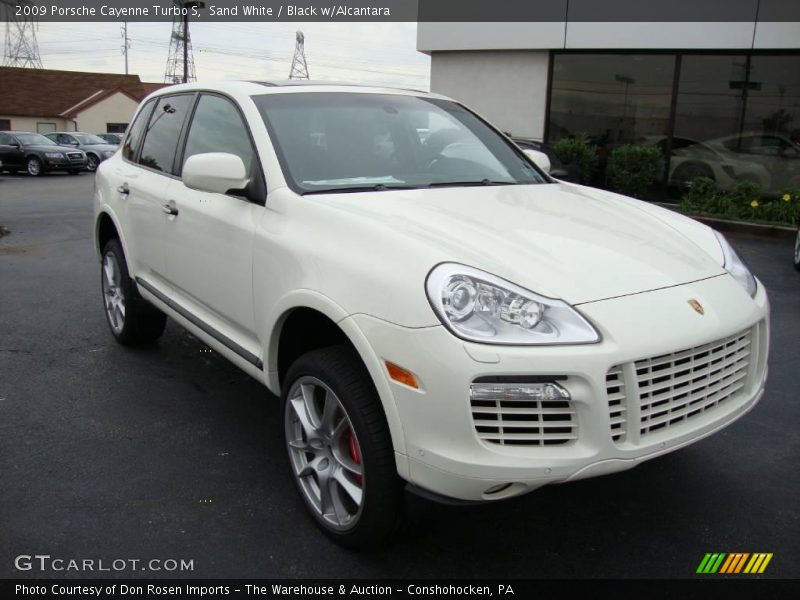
(444,450)
(65,163)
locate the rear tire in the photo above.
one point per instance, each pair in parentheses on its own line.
(132,319)
(340,449)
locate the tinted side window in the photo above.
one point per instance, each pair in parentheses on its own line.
(218,127)
(5,139)
(135,134)
(163,132)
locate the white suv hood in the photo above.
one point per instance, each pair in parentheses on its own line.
(560,240)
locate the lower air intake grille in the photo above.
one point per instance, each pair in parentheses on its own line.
(615,387)
(511,422)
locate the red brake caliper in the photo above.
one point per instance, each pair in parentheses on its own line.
(355,453)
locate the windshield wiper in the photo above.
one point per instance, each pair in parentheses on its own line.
(378,187)
(470,183)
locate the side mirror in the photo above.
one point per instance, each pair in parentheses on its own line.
(217,172)
(540,158)
(14,144)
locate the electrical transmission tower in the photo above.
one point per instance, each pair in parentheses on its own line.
(180,63)
(22,49)
(299,68)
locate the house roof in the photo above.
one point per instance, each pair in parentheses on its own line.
(94,99)
(51,93)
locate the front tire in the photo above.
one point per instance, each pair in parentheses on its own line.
(34,167)
(686,173)
(797,250)
(91,163)
(340,450)
(132,319)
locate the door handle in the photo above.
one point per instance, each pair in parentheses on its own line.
(124,189)
(169,208)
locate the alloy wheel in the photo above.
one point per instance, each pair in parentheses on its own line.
(324,453)
(113,297)
(34,166)
(91,162)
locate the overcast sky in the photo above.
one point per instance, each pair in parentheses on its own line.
(371,53)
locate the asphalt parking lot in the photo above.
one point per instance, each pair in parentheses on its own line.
(171,452)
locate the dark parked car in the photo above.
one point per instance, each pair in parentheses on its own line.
(36,154)
(114,139)
(97,149)
(557,169)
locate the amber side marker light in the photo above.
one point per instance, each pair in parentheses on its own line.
(400,375)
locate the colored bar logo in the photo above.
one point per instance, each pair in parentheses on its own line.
(734,563)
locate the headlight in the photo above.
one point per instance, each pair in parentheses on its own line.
(480,307)
(54,155)
(108,153)
(736,267)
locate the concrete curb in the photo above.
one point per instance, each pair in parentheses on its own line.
(780,232)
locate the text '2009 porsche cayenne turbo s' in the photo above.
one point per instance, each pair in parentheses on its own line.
(435,312)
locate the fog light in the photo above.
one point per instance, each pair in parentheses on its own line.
(536,392)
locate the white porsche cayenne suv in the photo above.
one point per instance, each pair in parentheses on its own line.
(435,311)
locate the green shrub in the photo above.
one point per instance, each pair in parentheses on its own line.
(787,206)
(744,201)
(698,195)
(579,152)
(632,169)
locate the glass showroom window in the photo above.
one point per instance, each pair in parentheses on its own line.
(736,116)
(709,109)
(613,98)
(738,119)
(770,134)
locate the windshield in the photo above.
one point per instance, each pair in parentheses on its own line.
(333,141)
(88,139)
(34,139)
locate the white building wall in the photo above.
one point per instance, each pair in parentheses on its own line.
(434,37)
(508,88)
(117,108)
(30,123)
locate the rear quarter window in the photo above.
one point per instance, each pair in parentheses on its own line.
(135,133)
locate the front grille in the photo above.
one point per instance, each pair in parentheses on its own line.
(74,156)
(673,388)
(510,422)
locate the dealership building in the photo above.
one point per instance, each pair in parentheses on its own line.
(716,84)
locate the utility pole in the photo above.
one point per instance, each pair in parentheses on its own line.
(126,43)
(299,68)
(22,49)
